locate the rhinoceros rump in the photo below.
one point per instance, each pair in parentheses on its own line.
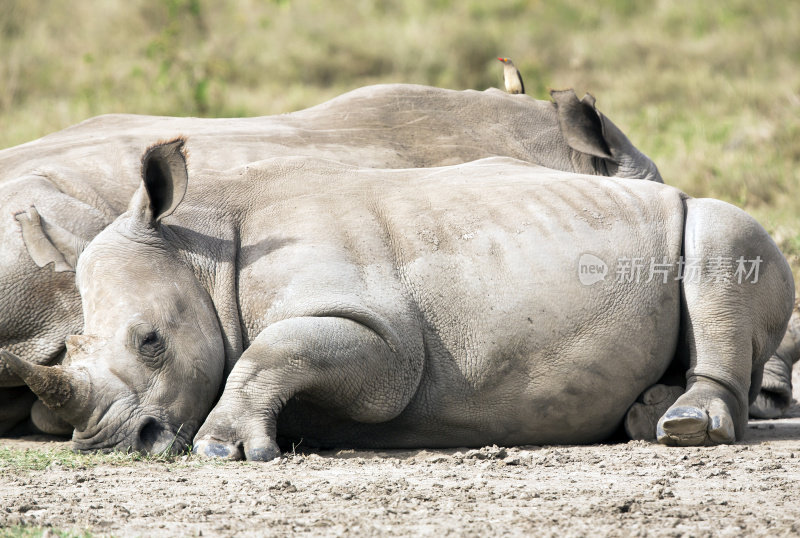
(407,308)
(58,192)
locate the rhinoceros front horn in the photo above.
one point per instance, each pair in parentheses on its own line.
(61,389)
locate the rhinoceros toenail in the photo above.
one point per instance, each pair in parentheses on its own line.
(217,450)
(685,412)
(262,454)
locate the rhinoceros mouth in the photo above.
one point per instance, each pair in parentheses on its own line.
(100,441)
(148,435)
(173,444)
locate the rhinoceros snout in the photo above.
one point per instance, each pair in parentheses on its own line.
(155,438)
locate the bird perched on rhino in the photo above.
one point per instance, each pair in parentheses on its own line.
(511,77)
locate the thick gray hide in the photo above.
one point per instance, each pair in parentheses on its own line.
(58,192)
(407,308)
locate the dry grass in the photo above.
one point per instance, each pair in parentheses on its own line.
(710,90)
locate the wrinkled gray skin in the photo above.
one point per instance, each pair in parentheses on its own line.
(405,308)
(775,396)
(58,192)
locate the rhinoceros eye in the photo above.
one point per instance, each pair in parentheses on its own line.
(150,340)
(146,341)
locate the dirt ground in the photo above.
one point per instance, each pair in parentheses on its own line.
(627,489)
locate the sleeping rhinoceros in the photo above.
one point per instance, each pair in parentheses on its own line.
(58,192)
(490,302)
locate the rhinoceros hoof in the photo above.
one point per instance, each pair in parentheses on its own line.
(261,450)
(211,448)
(643,416)
(691,426)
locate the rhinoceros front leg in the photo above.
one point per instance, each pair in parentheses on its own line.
(732,322)
(336,362)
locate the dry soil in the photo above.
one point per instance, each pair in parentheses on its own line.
(627,489)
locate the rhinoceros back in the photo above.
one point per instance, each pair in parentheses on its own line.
(485,260)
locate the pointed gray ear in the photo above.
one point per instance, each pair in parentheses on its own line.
(581,123)
(47,242)
(164,181)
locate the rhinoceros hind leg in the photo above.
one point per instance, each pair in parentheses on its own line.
(732,320)
(642,418)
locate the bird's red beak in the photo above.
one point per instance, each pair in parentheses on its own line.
(501,59)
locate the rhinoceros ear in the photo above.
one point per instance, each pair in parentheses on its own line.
(581,123)
(47,242)
(164,181)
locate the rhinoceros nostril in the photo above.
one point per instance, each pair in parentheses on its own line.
(153,437)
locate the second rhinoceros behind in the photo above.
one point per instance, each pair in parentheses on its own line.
(491,302)
(60,191)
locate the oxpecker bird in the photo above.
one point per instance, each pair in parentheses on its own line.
(511,77)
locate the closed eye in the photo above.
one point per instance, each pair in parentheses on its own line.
(147,342)
(150,339)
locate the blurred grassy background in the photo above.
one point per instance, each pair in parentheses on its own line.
(710,90)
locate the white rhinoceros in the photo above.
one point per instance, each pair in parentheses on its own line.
(58,192)
(489,302)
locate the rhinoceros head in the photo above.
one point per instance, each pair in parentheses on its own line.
(41,230)
(149,364)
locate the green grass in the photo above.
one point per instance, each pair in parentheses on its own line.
(710,90)
(16,459)
(20,531)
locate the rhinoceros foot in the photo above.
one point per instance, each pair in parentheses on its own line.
(643,416)
(212,448)
(771,404)
(702,416)
(775,396)
(261,450)
(254,450)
